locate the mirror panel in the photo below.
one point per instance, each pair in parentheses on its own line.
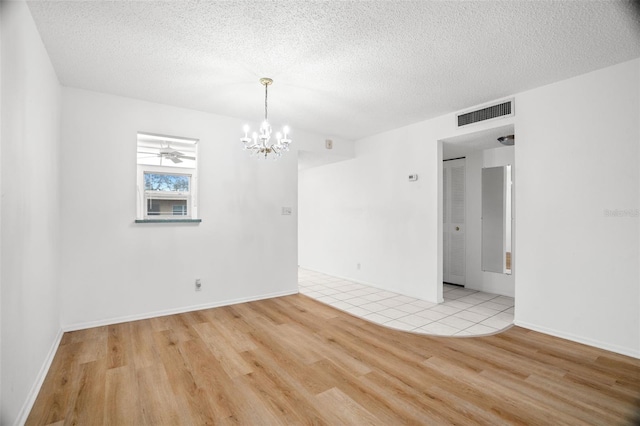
(496,219)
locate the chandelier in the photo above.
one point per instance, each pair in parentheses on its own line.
(259,144)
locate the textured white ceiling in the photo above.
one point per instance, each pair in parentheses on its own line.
(340,68)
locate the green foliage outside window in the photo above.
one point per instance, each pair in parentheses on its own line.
(166,182)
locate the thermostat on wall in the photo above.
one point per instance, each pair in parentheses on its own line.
(413,178)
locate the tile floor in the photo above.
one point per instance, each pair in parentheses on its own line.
(464,312)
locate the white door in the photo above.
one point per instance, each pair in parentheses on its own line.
(453,180)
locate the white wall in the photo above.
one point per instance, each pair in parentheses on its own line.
(312,151)
(1,120)
(365,211)
(476,278)
(113,269)
(30,211)
(576,155)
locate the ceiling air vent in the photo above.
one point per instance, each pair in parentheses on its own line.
(502,109)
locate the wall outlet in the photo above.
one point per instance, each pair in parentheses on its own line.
(358,266)
(286,211)
(198,284)
(328,143)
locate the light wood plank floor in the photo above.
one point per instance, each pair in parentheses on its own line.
(293,360)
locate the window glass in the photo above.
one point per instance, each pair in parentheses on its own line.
(166,182)
(180,209)
(167,177)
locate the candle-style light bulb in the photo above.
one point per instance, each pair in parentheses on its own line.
(245,128)
(286,131)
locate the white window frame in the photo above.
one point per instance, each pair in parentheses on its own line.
(191,196)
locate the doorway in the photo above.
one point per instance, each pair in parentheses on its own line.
(472,153)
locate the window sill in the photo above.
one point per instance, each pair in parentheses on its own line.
(168,220)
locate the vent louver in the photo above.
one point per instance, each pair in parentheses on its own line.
(494,111)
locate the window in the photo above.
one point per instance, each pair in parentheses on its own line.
(180,209)
(167,177)
(167,194)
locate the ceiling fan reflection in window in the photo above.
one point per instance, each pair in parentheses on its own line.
(165,152)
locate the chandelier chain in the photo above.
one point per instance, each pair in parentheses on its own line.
(266,87)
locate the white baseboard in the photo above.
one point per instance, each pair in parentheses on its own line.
(357,281)
(635,353)
(342,277)
(35,389)
(491,288)
(173,311)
